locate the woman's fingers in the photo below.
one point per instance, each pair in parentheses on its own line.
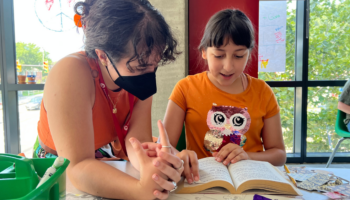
(151,145)
(172,159)
(140,153)
(161,195)
(167,170)
(167,185)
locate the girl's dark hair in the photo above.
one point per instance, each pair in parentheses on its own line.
(229,23)
(126,27)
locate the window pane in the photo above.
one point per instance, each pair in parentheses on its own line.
(289,74)
(2,136)
(285,98)
(45,31)
(29,112)
(329,44)
(322,113)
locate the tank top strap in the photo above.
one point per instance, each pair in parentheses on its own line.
(93,64)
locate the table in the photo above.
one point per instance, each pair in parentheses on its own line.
(73,193)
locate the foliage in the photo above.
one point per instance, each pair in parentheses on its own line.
(30,54)
(329,47)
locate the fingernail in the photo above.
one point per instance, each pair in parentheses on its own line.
(156,164)
(155,177)
(196,178)
(131,140)
(190,181)
(225,163)
(156,193)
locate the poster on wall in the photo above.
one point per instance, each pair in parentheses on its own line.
(272,36)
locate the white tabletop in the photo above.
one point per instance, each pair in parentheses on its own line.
(73,193)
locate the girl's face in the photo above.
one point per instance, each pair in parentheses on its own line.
(226,63)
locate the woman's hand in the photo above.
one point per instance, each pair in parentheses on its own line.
(191,170)
(231,153)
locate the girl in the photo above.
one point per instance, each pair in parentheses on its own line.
(223,108)
(96,101)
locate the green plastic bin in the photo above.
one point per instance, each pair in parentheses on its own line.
(20,184)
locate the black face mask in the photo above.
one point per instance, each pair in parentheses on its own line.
(141,86)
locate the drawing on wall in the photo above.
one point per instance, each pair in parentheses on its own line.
(55,15)
(272,36)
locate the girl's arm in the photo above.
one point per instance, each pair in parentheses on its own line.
(173,123)
(275,152)
(69,96)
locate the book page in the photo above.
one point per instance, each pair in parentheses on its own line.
(211,170)
(246,170)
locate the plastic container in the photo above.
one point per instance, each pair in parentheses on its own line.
(21,183)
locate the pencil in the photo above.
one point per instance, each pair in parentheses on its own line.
(291,178)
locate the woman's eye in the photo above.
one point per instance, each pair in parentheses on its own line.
(239,56)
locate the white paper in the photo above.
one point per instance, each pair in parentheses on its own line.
(210,170)
(246,170)
(272,36)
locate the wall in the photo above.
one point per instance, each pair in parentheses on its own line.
(199,13)
(175,13)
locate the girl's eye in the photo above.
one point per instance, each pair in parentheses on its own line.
(239,56)
(218,56)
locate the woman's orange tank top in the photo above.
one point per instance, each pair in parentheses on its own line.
(104,129)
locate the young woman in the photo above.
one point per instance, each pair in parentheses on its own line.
(223,108)
(98,100)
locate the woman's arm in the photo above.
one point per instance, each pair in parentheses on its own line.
(69,96)
(343,107)
(275,152)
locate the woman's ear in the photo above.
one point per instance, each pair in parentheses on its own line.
(101,56)
(204,54)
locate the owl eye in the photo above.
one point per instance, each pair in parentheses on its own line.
(218,119)
(238,121)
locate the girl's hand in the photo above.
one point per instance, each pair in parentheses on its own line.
(191,170)
(231,153)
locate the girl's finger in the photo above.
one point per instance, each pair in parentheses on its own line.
(164,140)
(194,165)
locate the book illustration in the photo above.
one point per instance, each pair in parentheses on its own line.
(314,182)
(227,124)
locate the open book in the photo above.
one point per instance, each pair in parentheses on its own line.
(239,177)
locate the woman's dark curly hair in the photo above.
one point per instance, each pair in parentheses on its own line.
(125,28)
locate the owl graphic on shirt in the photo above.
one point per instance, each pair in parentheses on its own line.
(227,124)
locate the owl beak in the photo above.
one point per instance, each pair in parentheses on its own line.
(227,126)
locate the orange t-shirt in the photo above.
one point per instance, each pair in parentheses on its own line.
(196,95)
(102,119)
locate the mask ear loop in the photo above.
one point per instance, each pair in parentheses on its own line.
(110,60)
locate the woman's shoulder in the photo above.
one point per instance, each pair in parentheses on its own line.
(71,71)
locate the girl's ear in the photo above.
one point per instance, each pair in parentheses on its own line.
(204,54)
